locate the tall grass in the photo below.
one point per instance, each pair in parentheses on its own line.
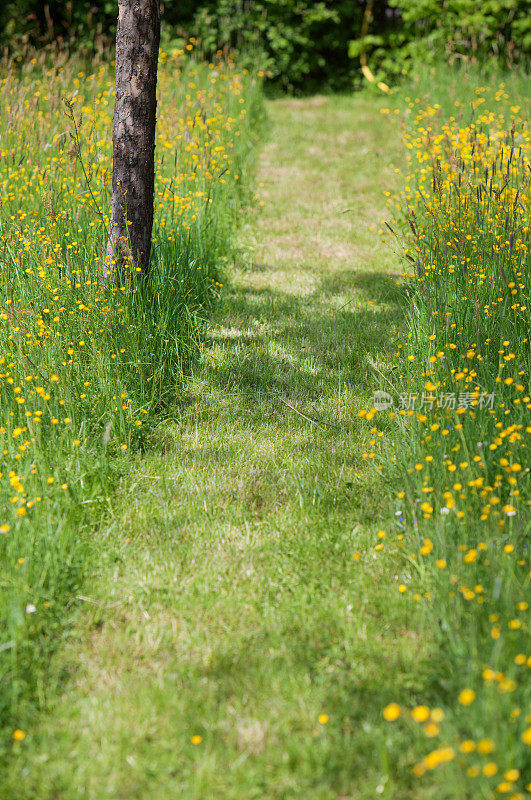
(458,450)
(84,368)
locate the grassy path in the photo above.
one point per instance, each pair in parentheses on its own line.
(235,610)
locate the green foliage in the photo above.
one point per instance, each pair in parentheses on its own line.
(468,28)
(429,30)
(85,368)
(37,23)
(300,44)
(236,531)
(460,467)
(295,42)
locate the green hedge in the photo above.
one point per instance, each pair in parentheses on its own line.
(496,31)
(302,44)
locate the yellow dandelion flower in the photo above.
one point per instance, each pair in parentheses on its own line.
(391,712)
(420,713)
(466,697)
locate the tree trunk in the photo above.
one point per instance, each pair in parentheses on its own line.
(133,136)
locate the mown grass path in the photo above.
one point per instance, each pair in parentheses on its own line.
(234,609)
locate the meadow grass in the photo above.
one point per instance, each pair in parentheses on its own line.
(461,422)
(236,642)
(86,368)
(276,606)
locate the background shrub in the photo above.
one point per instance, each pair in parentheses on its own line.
(303,45)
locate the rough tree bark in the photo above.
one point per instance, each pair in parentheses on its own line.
(133,135)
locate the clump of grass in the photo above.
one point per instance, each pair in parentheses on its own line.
(458,451)
(85,368)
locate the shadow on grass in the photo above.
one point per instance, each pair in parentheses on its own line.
(380,287)
(304,347)
(287,374)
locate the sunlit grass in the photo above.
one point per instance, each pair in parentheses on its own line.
(291,600)
(458,442)
(86,368)
(232,602)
